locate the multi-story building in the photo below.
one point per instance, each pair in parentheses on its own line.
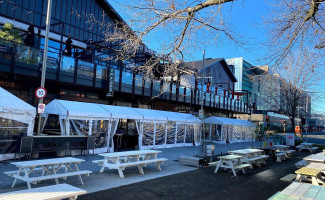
(218,82)
(243,72)
(88,73)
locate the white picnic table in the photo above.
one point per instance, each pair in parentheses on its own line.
(251,156)
(120,160)
(53,192)
(300,191)
(307,146)
(318,158)
(232,162)
(49,170)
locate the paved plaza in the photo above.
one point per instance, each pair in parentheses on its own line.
(110,178)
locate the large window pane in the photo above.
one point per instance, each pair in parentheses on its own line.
(85,68)
(180,133)
(67,64)
(127,77)
(160,134)
(101,72)
(171,131)
(148,133)
(99,130)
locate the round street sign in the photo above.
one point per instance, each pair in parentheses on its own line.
(40,93)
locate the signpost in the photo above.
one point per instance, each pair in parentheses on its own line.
(41,108)
(40,93)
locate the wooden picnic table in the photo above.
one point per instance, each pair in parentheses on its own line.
(232,162)
(251,156)
(300,191)
(49,170)
(315,158)
(120,160)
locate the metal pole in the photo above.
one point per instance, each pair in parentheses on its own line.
(47,30)
(204,150)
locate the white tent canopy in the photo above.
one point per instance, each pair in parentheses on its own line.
(152,115)
(120,112)
(11,107)
(77,110)
(222,129)
(228,121)
(94,119)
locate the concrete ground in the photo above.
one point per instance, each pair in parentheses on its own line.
(110,178)
(256,184)
(175,181)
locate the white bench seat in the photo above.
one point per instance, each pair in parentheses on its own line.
(98,161)
(10,173)
(215,163)
(280,156)
(52,176)
(243,166)
(290,152)
(141,163)
(302,163)
(258,158)
(53,192)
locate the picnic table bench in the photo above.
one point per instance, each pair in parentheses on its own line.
(120,160)
(309,173)
(232,162)
(251,156)
(49,169)
(53,192)
(306,146)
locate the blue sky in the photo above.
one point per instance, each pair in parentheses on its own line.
(246,18)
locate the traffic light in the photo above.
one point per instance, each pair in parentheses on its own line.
(29,39)
(267,119)
(208,87)
(216,90)
(67,51)
(303,121)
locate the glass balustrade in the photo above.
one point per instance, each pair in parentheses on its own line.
(85,72)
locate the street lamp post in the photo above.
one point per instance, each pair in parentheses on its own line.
(202,114)
(47,30)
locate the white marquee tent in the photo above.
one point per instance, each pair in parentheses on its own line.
(20,114)
(155,128)
(221,129)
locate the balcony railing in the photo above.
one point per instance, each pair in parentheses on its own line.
(25,60)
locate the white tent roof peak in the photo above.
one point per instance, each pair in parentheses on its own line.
(11,107)
(82,110)
(75,109)
(11,103)
(228,121)
(122,112)
(149,114)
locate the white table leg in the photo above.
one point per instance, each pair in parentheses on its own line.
(158,166)
(77,169)
(231,165)
(54,172)
(18,173)
(217,168)
(27,176)
(120,172)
